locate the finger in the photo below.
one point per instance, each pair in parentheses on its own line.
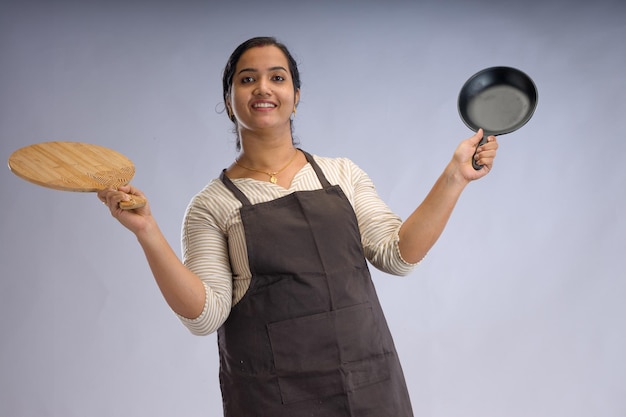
(486,157)
(131,190)
(111,197)
(105,195)
(485,160)
(492,141)
(102,196)
(490,144)
(485,152)
(131,198)
(125,188)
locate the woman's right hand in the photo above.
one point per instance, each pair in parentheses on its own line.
(134,220)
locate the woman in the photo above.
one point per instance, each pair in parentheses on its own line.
(275,257)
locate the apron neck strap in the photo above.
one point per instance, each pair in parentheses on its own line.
(233,189)
(318,171)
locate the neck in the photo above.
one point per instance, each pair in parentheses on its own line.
(270,160)
(265,153)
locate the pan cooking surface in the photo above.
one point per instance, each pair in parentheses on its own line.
(500,108)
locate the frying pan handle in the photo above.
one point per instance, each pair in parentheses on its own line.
(476,166)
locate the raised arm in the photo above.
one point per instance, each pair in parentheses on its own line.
(422,228)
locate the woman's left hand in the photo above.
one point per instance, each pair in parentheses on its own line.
(484,155)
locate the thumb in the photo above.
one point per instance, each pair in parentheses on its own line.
(478,136)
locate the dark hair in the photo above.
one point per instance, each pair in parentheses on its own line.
(231,65)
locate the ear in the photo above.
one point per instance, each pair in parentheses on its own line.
(297,98)
(229,110)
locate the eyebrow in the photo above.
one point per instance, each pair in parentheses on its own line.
(256,70)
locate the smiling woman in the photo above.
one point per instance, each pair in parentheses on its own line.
(232,67)
(275,256)
(262,95)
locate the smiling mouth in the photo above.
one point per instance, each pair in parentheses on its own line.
(263,105)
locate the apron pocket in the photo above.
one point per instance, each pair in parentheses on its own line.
(327,353)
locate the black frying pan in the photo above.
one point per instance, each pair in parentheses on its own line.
(499,100)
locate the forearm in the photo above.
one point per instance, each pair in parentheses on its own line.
(182,289)
(424,226)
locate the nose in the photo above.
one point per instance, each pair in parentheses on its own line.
(263,88)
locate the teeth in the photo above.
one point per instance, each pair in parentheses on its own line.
(264,105)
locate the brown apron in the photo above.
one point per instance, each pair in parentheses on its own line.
(309,337)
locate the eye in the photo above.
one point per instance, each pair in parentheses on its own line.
(278,78)
(246,80)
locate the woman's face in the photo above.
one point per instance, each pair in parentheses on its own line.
(262,95)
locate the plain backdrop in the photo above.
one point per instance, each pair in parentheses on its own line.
(518,310)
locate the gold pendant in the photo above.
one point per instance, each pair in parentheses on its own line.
(273,179)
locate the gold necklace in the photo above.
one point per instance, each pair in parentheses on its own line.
(272,175)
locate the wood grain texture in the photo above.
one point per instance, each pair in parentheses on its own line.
(71,166)
(74,166)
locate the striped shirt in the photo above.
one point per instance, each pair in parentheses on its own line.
(213,240)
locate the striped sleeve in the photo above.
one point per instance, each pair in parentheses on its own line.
(205,253)
(379,226)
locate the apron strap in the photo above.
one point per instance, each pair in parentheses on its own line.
(233,189)
(320,175)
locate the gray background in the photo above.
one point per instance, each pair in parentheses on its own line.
(518,310)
